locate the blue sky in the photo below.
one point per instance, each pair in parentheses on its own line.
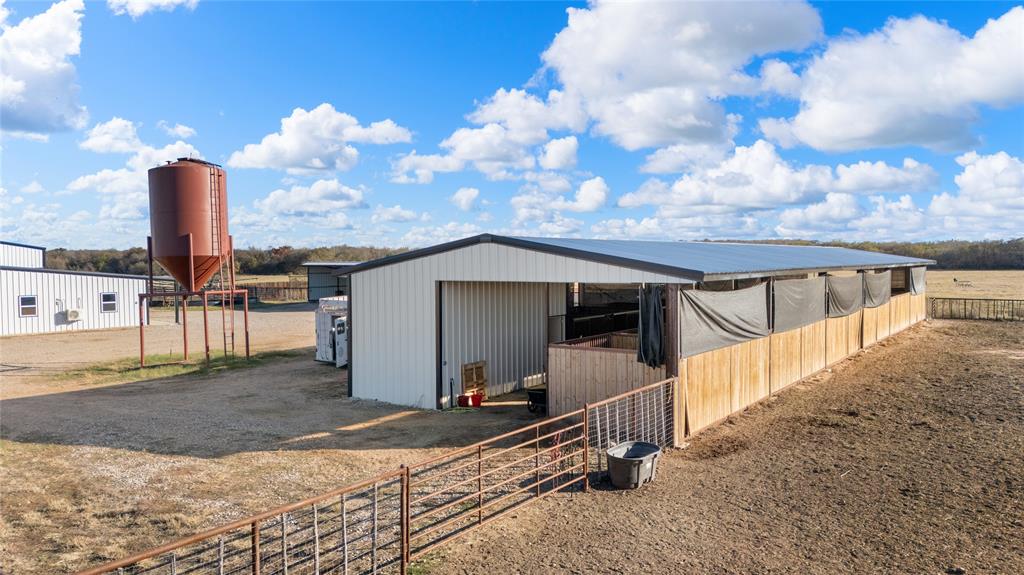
(408,124)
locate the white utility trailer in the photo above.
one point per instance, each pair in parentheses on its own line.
(332,330)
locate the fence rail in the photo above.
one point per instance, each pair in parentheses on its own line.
(381,524)
(976,308)
(276,293)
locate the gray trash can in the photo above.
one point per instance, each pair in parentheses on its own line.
(632,463)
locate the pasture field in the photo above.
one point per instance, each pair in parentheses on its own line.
(994,284)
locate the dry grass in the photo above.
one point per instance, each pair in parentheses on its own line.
(163,366)
(90,473)
(996,284)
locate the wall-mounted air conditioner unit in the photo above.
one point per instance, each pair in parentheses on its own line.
(73,314)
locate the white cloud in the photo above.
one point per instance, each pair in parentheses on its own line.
(394,213)
(914,82)
(560,153)
(136,8)
(115,135)
(316,140)
(125,191)
(871,177)
(755,177)
(509,123)
(464,198)
(590,197)
(38,82)
(414,168)
(33,187)
(653,75)
(678,158)
(779,77)
(177,130)
(319,197)
(990,187)
(831,214)
(690,227)
(430,235)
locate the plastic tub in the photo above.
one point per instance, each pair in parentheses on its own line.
(632,463)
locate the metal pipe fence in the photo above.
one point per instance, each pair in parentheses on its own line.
(381,524)
(644,414)
(976,308)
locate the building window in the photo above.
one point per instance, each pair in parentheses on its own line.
(108,302)
(27,306)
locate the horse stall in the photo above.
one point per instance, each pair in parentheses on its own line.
(592,368)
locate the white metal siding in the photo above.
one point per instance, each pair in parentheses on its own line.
(498,322)
(394,344)
(56,292)
(21,256)
(321,283)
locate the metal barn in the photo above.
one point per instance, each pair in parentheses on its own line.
(37,300)
(324,279)
(22,255)
(734,322)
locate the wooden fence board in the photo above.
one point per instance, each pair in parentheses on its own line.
(708,389)
(883,321)
(581,375)
(812,348)
(869,326)
(750,381)
(785,359)
(854,330)
(835,339)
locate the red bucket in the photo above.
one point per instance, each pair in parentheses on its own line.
(471,400)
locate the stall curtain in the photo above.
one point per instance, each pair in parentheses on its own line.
(916,276)
(845,295)
(712,320)
(798,303)
(877,289)
(650,344)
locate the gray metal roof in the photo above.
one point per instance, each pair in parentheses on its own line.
(329,264)
(81,273)
(699,261)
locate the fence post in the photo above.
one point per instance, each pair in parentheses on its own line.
(404,503)
(586,448)
(536,459)
(479,485)
(255,544)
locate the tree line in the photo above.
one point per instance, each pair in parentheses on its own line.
(280,260)
(949,254)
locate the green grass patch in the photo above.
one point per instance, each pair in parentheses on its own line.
(160,366)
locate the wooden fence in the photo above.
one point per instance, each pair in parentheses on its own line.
(976,308)
(276,291)
(589,369)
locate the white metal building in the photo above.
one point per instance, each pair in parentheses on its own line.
(323,279)
(22,255)
(38,300)
(416,317)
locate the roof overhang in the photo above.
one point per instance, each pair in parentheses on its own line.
(631,263)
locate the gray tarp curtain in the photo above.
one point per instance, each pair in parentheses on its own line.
(845,295)
(712,320)
(650,347)
(798,303)
(877,289)
(916,277)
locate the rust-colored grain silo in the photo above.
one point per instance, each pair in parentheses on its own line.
(188,214)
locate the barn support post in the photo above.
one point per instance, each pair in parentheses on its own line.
(149,261)
(586,448)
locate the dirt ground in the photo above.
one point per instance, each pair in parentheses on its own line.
(28,363)
(94,474)
(908,458)
(998,284)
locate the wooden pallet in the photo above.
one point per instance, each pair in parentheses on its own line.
(474,378)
